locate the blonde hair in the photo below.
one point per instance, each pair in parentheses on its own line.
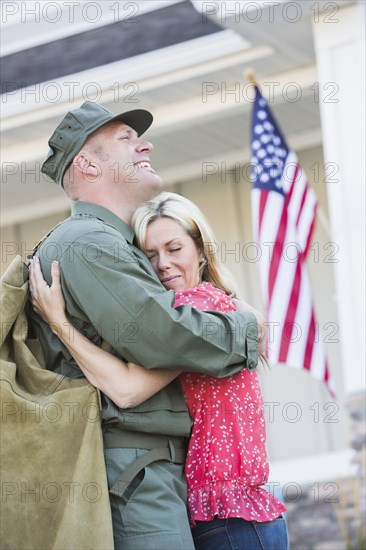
(190,217)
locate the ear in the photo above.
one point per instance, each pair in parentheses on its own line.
(202,258)
(83,165)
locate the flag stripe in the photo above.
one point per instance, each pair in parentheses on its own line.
(310,233)
(293,181)
(262,207)
(291,315)
(303,199)
(296,354)
(310,342)
(277,252)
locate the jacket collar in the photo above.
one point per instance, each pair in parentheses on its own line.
(88,209)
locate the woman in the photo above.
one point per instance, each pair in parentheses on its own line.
(226,462)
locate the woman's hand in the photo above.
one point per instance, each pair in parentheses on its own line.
(126,384)
(47,301)
(243,306)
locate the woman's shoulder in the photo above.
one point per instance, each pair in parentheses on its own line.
(205,296)
(202,289)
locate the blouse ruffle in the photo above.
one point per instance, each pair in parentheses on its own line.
(233,499)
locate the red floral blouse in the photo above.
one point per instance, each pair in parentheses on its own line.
(226,461)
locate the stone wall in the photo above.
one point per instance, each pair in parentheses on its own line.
(332,516)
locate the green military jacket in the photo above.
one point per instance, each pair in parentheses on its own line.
(113,294)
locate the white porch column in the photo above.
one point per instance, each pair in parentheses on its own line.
(340,52)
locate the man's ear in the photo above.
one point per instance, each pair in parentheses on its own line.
(82,164)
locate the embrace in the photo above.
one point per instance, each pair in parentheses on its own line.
(135,271)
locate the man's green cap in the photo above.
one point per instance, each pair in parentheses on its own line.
(71,134)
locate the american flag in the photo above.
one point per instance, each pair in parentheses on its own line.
(284,209)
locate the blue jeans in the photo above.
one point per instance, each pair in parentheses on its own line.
(239,534)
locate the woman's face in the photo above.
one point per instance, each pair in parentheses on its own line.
(173,254)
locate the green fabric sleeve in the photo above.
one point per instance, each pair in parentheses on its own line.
(112,285)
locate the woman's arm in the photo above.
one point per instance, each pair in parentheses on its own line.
(126,384)
(243,306)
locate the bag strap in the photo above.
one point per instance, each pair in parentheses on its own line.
(41,241)
(30,256)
